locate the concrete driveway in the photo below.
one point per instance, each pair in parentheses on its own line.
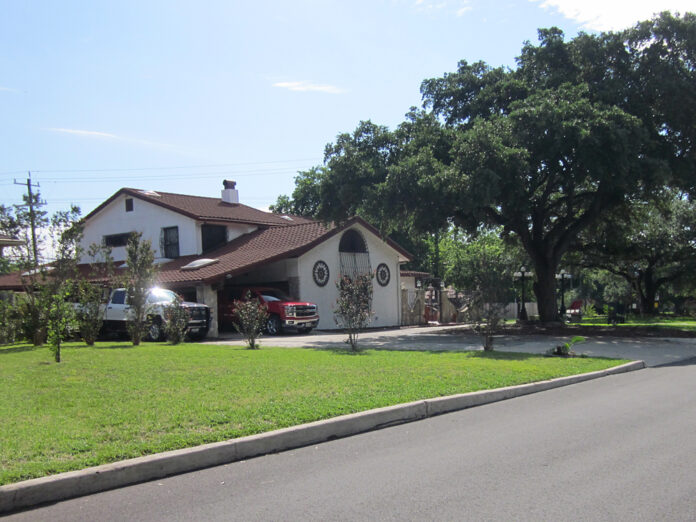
(654,351)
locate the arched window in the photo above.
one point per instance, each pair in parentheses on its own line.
(354,257)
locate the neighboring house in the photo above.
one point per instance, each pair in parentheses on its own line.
(412,280)
(208,245)
(10,241)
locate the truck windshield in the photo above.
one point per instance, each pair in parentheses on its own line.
(160,295)
(274,295)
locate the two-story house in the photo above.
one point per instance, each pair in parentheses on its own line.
(208,245)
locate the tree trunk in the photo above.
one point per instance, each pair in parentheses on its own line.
(650,292)
(646,289)
(545,291)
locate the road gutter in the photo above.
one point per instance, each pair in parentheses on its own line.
(72,484)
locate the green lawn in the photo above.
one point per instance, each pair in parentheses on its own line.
(115,401)
(678,323)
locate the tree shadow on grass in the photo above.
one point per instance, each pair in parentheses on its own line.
(114,347)
(505,356)
(21,348)
(364,349)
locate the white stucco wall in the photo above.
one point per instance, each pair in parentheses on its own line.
(149,219)
(146,218)
(386,299)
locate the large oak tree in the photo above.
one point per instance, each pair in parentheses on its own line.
(577,129)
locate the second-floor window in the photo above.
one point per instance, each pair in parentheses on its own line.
(170,242)
(117,240)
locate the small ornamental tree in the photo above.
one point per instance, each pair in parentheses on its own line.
(176,319)
(90,313)
(251,318)
(140,276)
(482,268)
(485,315)
(353,308)
(61,320)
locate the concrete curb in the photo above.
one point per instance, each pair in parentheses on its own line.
(118,474)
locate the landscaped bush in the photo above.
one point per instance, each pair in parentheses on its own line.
(90,314)
(251,318)
(176,320)
(353,309)
(10,322)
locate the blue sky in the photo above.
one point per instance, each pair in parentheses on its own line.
(178,95)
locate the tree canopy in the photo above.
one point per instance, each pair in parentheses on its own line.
(544,150)
(653,245)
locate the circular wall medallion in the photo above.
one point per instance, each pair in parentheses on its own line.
(383,274)
(320,273)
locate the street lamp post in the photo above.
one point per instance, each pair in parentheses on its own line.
(522,316)
(562,276)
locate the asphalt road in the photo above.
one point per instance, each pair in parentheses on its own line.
(618,448)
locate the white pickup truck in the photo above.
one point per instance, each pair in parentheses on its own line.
(116,314)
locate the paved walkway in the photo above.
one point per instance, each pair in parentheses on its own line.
(653,350)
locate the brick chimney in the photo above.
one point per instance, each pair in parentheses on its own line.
(229,193)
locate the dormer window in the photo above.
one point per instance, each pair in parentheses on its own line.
(213,236)
(129,205)
(353,254)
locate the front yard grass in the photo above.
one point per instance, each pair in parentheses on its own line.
(661,321)
(115,401)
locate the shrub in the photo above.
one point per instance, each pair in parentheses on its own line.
(589,311)
(176,319)
(33,308)
(140,276)
(353,308)
(565,349)
(251,318)
(90,314)
(10,322)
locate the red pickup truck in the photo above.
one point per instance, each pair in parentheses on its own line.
(284,312)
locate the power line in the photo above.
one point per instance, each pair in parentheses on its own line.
(132,169)
(32,202)
(236,173)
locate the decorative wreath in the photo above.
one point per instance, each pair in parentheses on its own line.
(320,273)
(383,274)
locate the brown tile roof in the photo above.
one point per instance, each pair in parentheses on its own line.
(245,253)
(258,248)
(204,209)
(6,240)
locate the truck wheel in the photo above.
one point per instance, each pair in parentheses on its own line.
(156,330)
(273,326)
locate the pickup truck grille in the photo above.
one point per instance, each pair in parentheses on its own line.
(198,314)
(305,311)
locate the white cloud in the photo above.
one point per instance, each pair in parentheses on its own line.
(8,89)
(459,7)
(463,10)
(603,15)
(308,86)
(79,132)
(109,136)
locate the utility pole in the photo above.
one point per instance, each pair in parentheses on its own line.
(32,215)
